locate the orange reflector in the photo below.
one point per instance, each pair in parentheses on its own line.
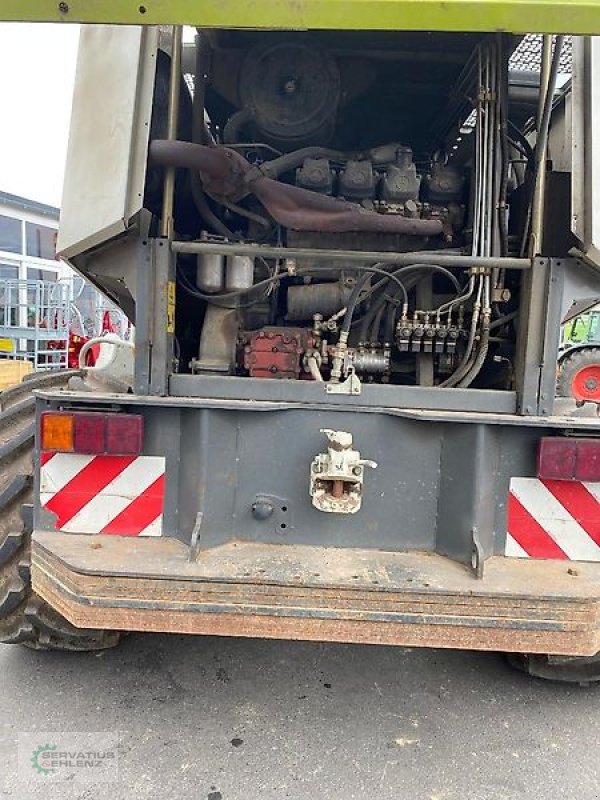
(57,431)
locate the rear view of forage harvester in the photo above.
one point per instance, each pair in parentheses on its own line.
(346,254)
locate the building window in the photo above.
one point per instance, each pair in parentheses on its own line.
(10,235)
(40,241)
(8,271)
(35,274)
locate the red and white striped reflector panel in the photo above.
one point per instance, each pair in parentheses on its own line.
(120,495)
(553,519)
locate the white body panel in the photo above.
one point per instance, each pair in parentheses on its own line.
(108,141)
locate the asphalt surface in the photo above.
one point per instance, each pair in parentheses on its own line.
(234,719)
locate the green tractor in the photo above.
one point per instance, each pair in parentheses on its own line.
(579,352)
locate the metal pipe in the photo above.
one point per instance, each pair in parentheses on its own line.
(166,227)
(537,209)
(313,368)
(198,120)
(485,188)
(366,257)
(477,171)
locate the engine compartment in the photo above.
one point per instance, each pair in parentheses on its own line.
(353,194)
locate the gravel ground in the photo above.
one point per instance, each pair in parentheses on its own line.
(234,719)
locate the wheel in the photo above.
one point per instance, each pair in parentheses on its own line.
(580,375)
(24,617)
(564,669)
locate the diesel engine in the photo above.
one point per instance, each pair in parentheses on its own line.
(349,205)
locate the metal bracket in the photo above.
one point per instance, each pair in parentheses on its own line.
(27,514)
(477,557)
(195,538)
(351,385)
(274,510)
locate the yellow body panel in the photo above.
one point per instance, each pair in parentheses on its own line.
(517,16)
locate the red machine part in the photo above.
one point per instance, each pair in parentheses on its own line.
(586,384)
(74,347)
(275,352)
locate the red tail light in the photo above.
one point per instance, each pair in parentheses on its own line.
(92,433)
(568,459)
(89,433)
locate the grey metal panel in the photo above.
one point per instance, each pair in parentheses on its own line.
(560,137)
(539,331)
(581,281)
(551,336)
(565,416)
(112,269)
(154,317)
(585,221)
(110,124)
(252,456)
(434,483)
(229,387)
(144,267)
(468,478)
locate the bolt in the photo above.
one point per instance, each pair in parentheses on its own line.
(290,86)
(356,471)
(63,8)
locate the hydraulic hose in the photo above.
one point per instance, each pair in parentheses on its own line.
(374,337)
(475,369)
(464,366)
(342,344)
(352,303)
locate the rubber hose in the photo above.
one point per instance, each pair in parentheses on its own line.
(353,302)
(478,363)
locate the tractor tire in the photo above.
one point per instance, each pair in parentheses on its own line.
(572,364)
(560,669)
(24,617)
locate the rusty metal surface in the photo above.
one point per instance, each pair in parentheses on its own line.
(313,593)
(227,176)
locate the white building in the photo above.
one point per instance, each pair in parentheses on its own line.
(28,240)
(41,299)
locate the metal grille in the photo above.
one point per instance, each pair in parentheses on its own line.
(35,318)
(528,55)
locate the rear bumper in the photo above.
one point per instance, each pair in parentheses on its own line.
(316,593)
